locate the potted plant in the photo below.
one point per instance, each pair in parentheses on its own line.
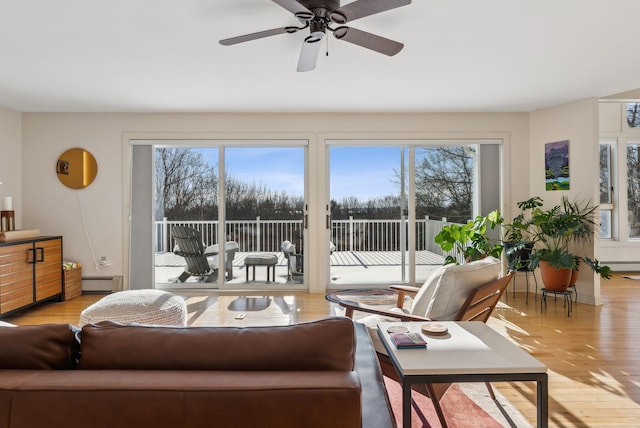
(554,233)
(470,239)
(518,237)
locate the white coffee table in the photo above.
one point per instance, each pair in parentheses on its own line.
(470,352)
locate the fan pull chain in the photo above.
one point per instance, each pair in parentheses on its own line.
(327,52)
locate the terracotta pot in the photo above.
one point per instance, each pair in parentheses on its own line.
(574,278)
(554,279)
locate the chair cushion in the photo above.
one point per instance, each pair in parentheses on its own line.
(228,247)
(446,290)
(371,323)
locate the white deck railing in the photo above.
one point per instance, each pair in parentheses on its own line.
(347,235)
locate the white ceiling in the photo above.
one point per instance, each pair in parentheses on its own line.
(459,55)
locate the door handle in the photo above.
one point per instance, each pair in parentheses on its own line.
(41,250)
(31,258)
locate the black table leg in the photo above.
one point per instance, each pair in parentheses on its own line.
(406,404)
(543,402)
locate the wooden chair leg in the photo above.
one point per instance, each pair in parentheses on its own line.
(436,405)
(490,389)
(400,301)
(421,415)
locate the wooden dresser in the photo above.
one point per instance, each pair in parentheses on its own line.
(30,272)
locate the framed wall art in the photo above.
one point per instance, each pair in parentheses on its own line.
(556,165)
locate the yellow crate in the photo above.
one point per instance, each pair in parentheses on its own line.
(72,283)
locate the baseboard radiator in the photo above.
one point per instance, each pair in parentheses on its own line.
(102,283)
(622,266)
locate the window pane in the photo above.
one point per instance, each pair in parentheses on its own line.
(633,115)
(264,209)
(605,173)
(444,191)
(605,224)
(444,182)
(633,189)
(368,222)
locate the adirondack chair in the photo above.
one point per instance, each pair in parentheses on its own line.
(201,261)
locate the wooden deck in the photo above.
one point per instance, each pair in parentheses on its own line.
(169,265)
(337,258)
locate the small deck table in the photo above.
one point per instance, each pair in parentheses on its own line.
(261,259)
(470,352)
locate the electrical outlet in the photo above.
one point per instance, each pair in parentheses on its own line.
(104,262)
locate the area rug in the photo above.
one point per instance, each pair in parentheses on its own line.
(634,277)
(465,405)
(364,297)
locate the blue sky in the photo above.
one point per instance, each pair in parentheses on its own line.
(364,172)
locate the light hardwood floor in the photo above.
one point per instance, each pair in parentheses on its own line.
(592,356)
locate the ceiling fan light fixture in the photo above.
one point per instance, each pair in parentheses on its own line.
(304,16)
(318,15)
(338,18)
(340,32)
(314,37)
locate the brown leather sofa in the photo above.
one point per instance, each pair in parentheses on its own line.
(312,374)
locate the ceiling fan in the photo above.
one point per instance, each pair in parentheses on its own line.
(319,15)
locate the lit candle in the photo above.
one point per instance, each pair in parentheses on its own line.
(8,203)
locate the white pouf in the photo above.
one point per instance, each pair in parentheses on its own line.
(137,306)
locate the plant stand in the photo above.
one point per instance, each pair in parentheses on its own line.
(526,275)
(567,294)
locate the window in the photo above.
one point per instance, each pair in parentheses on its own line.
(633,115)
(633,188)
(606,188)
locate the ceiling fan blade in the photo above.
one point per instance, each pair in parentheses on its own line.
(258,35)
(361,8)
(296,8)
(309,52)
(368,40)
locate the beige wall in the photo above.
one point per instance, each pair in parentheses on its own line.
(48,205)
(42,202)
(54,209)
(11,160)
(578,123)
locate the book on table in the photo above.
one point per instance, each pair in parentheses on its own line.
(408,340)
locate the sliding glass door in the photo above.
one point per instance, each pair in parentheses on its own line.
(264,213)
(368,220)
(368,215)
(241,204)
(389,199)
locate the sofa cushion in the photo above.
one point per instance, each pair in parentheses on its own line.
(186,398)
(327,344)
(39,347)
(446,290)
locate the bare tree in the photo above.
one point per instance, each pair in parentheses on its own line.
(185,183)
(633,115)
(633,186)
(444,182)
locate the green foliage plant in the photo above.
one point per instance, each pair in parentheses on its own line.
(470,239)
(518,236)
(555,231)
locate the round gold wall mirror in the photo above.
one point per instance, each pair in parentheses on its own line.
(76,168)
